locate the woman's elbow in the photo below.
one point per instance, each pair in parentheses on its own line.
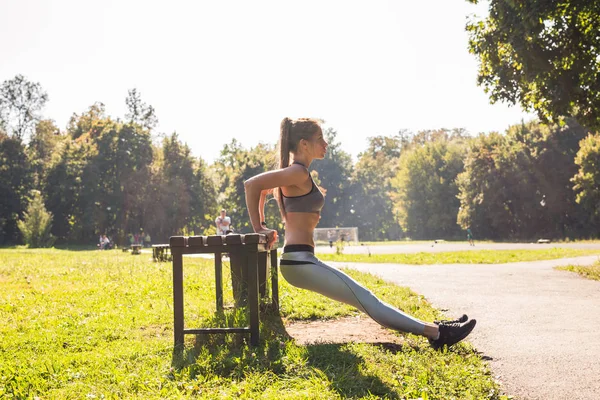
(255,186)
(248,185)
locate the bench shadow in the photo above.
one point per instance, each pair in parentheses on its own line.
(346,363)
(231,356)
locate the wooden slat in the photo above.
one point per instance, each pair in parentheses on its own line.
(253,238)
(214,240)
(195,241)
(177,241)
(234,239)
(199,331)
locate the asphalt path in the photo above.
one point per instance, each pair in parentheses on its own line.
(442,246)
(536,326)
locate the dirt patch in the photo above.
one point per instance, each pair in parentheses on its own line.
(154,330)
(360,329)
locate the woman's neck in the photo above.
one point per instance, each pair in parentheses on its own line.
(301,160)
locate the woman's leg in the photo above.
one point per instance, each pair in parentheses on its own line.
(304,270)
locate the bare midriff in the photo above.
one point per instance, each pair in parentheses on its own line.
(299,227)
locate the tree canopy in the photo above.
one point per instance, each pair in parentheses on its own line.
(105,175)
(20,104)
(543,55)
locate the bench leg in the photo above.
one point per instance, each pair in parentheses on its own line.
(239,277)
(219,281)
(274,281)
(178,297)
(252,268)
(262,273)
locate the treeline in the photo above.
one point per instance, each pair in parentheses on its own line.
(117,176)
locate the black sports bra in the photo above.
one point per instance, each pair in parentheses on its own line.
(311,202)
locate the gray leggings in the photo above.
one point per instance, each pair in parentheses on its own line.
(304,270)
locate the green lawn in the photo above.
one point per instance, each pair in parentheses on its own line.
(590,272)
(461,257)
(98,325)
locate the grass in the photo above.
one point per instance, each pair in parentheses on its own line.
(463,241)
(590,271)
(461,257)
(98,325)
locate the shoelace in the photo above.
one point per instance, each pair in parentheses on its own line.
(459,320)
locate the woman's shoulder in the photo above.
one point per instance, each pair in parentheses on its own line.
(297,167)
(300,172)
(290,175)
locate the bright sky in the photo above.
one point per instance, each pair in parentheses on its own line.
(217,70)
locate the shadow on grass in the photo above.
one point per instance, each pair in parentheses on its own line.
(56,247)
(231,357)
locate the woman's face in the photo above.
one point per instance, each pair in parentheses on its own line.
(317,145)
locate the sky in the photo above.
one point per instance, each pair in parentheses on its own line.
(218,70)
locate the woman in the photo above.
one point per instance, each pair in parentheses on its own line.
(300,203)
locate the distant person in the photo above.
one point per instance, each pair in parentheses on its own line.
(470,237)
(223,223)
(105,243)
(330,236)
(343,237)
(300,202)
(147,240)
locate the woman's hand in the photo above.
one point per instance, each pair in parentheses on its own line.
(271,235)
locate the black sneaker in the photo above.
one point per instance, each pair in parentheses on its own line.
(452,333)
(463,318)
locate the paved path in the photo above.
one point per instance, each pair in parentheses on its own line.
(431,247)
(539,327)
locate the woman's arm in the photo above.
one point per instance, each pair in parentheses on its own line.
(255,186)
(261,204)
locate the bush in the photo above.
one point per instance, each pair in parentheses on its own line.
(36,224)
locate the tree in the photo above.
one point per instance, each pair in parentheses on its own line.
(36,223)
(233,168)
(20,104)
(64,189)
(122,161)
(543,55)
(426,192)
(44,151)
(518,185)
(333,174)
(552,150)
(15,184)
(484,185)
(587,179)
(139,112)
(90,122)
(183,196)
(370,205)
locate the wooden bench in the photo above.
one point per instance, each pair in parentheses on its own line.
(161,252)
(136,249)
(248,255)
